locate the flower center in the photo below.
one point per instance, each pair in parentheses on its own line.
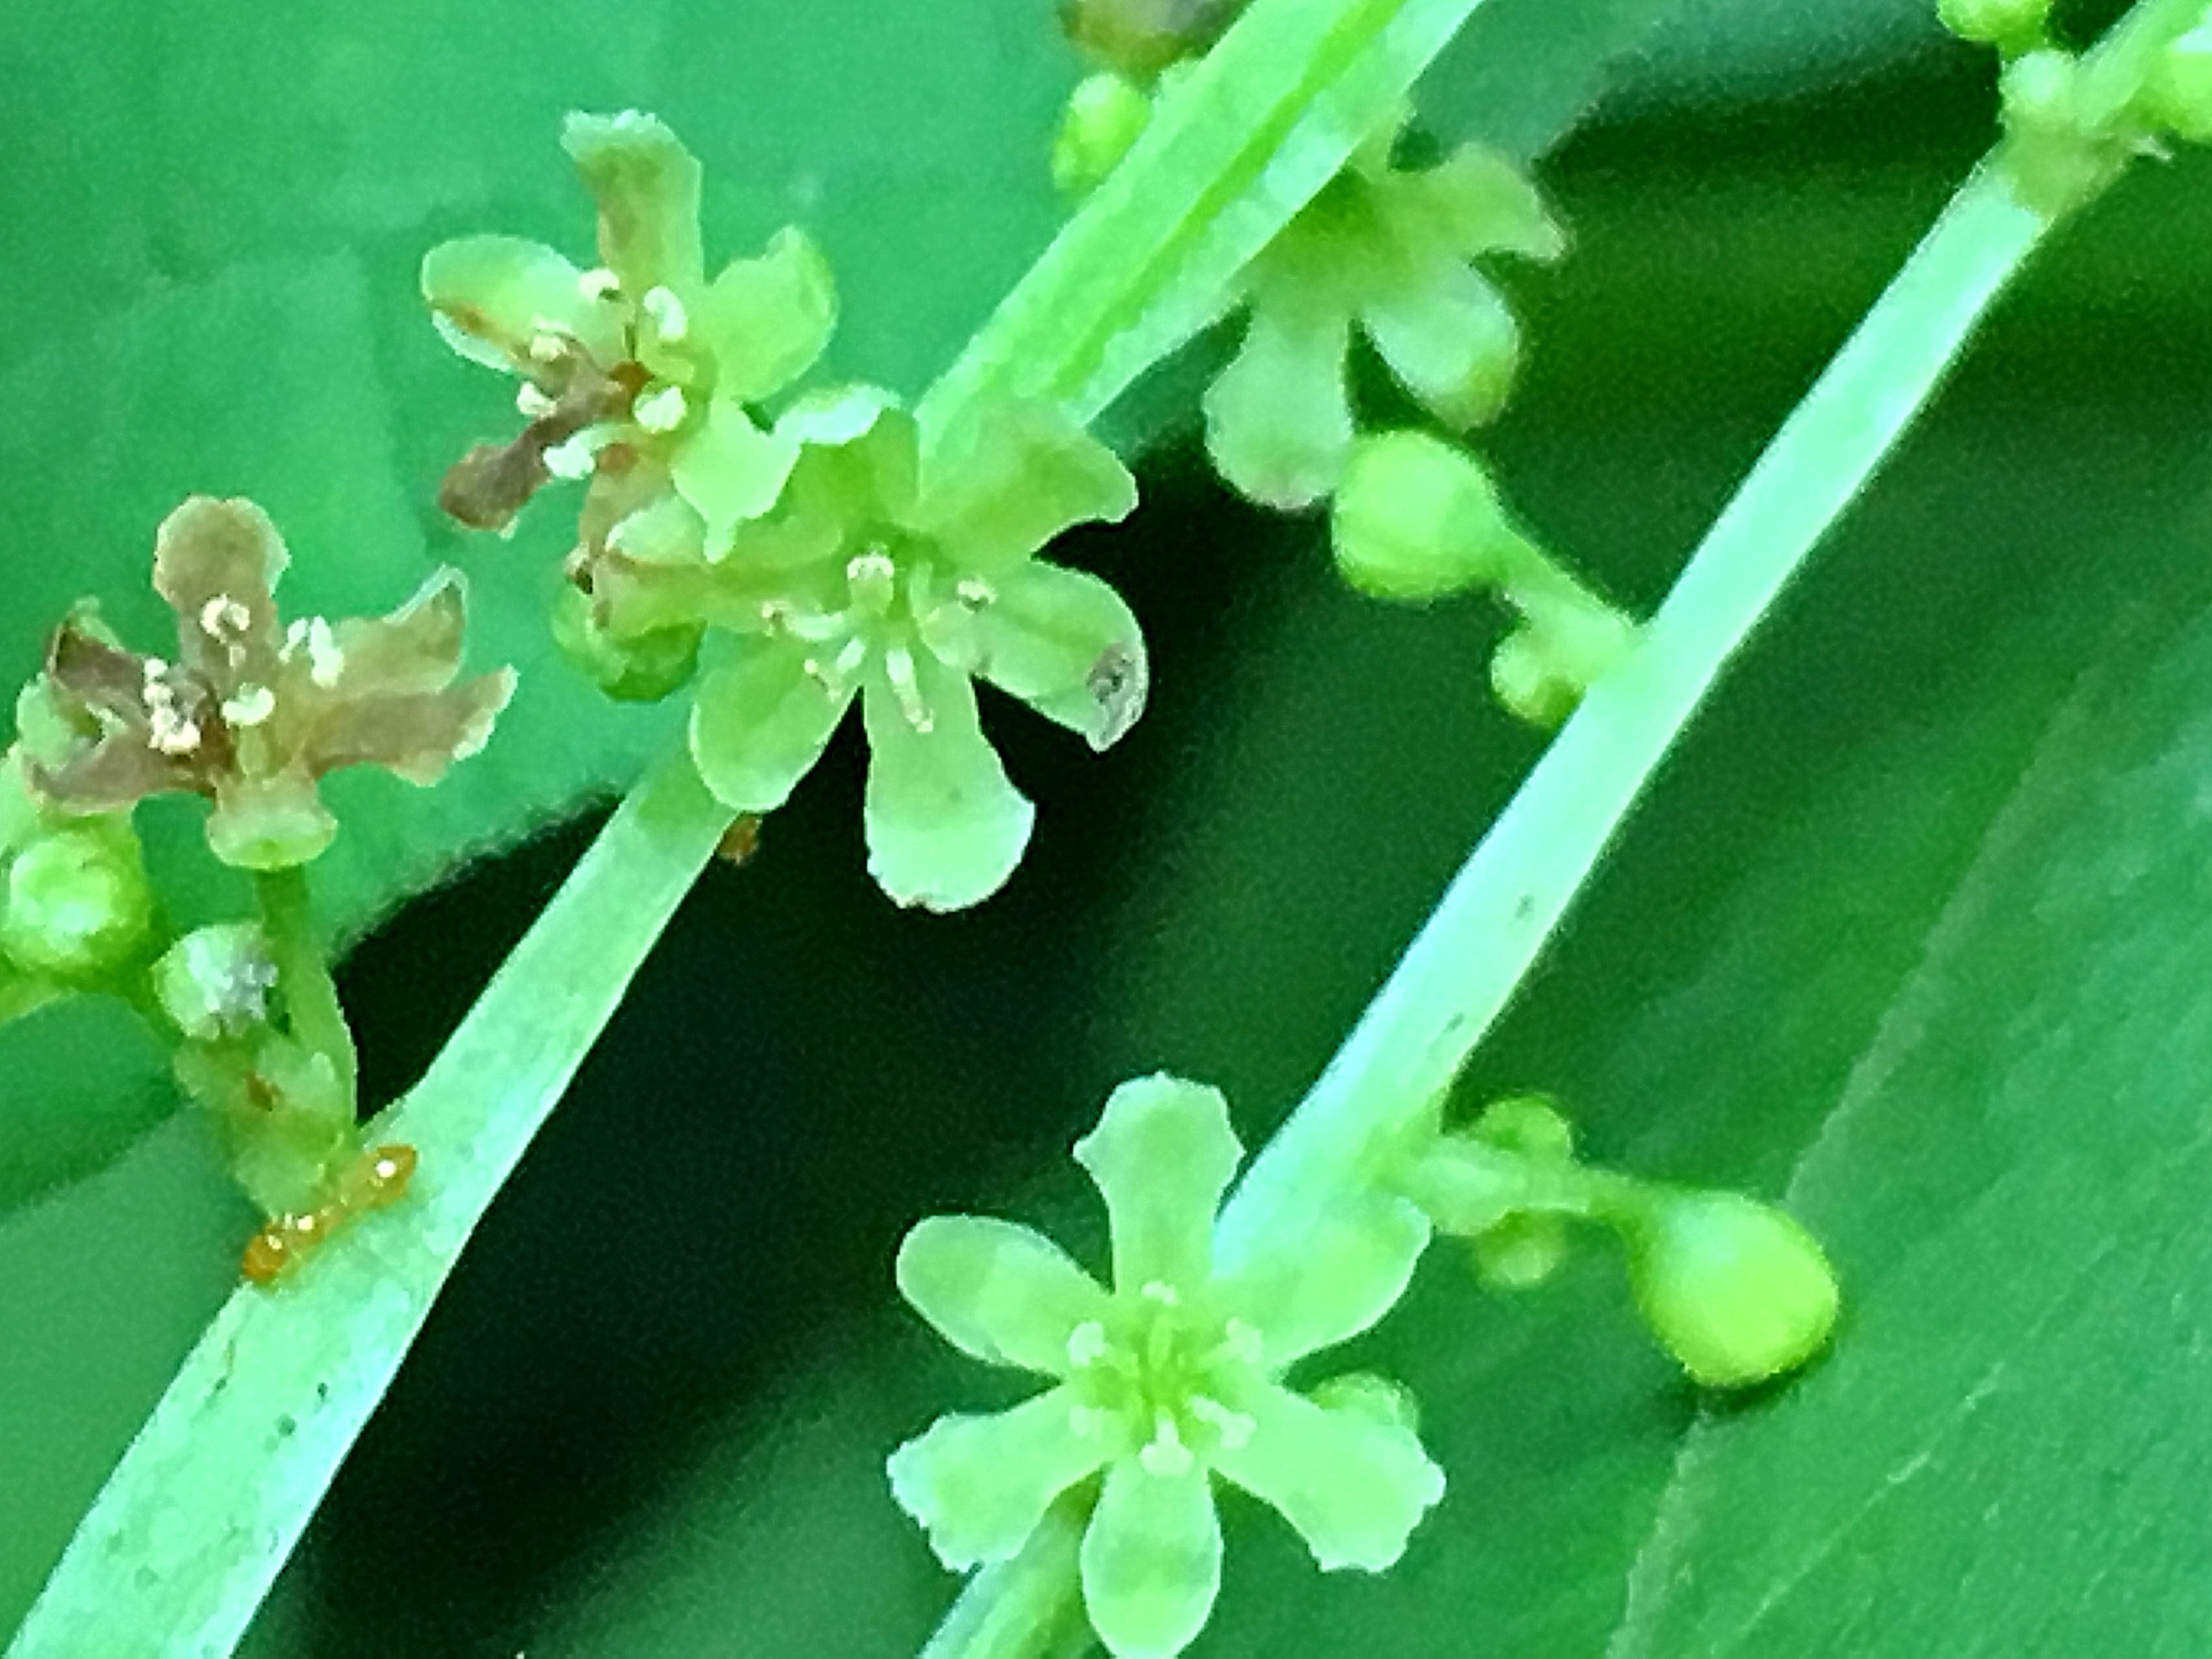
(1156,1373)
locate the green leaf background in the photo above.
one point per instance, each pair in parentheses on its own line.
(1911,932)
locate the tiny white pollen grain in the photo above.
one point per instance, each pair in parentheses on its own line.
(326,659)
(1160,1291)
(975,592)
(571,461)
(1234,1428)
(531,399)
(251,706)
(598,283)
(1165,1454)
(661,411)
(667,314)
(1087,1344)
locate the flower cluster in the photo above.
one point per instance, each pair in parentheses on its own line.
(1165,1381)
(252,712)
(828,554)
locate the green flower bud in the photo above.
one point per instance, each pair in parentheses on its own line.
(2178,96)
(1737,1290)
(78,904)
(1540,669)
(1143,37)
(644,669)
(2008,25)
(1529,1124)
(1520,1252)
(1106,115)
(2037,89)
(215,982)
(1417,518)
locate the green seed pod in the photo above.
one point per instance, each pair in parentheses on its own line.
(1737,1290)
(78,904)
(1417,518)
(2178,96)
(215,982)
(1106,115)
(641,670)
(2009,24)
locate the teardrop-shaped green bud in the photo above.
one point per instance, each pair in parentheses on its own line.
(643,669)
(1106,115)
(1529,1124)
(215,982)
(2009,24)
(1417,518)
(2179,94)
(78,904)
(1737,1290)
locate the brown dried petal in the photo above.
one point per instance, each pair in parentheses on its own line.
(116,774)
(417,648)
(417,736)
(216,563)
(89,672)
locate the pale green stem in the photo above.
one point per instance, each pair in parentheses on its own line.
(303,971)
(193,1525)
(1492,921)
(1027,1608)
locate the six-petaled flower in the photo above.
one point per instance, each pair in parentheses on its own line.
(1164,1382)
(895,572)
(252,712)
(639,372)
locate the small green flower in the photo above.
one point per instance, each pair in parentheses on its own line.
(640,374)
(1389,250)
(253,713)
(898,575)
(1164,1382)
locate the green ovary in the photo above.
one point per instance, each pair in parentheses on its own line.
(1156,1376)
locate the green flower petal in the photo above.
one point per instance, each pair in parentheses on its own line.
(1354,1487)
(980,1484)
(766,319)
(1348,1272)
(1162,1156)
(945,827)
(647,185)
(1446,335)
(215,564)
(1476,202)
(731,471)
(861,460)
(1151,1560)
(1061,641)
(492,295)
(1014,477)
(1277,419)
(761,722)
(999,1291)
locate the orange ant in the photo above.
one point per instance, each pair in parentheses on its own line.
(375,1180)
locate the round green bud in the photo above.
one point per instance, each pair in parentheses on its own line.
(1520,1252)
(215,982)
(1106,116)
(1737,1290)
(2010,25)
(641,670)
(2037,91)
(2179,94)
(78,905)
(1529,1124)
(1143,37)
(1417,518)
